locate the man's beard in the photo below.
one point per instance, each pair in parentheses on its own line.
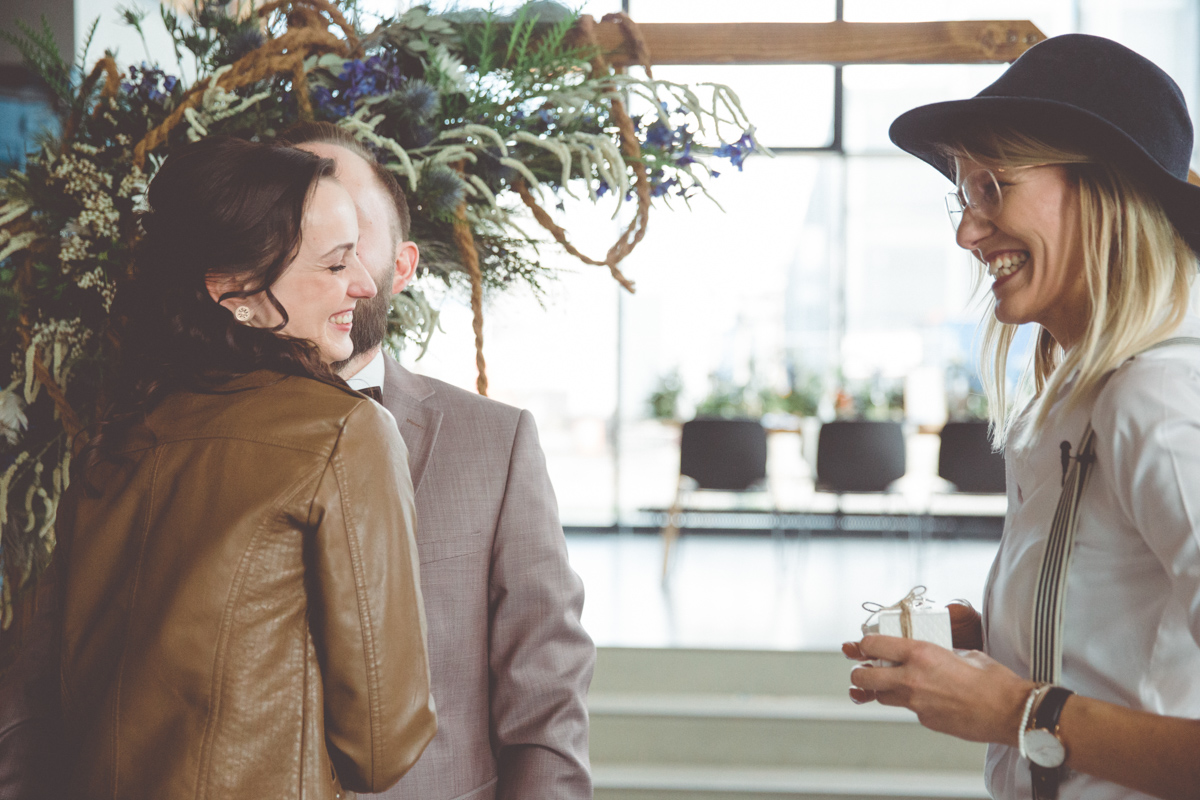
(370,321)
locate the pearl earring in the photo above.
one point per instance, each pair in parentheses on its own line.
(242,313)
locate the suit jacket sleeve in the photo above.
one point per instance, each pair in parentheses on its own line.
(541,658)
(367,618)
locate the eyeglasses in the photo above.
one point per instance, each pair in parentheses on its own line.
(978,191)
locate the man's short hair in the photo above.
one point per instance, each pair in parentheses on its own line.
(328,133)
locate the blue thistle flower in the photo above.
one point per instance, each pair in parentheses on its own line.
(411,114)
(243,42)
(442,190)
(417,99)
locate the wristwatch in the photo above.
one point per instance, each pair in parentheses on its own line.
(1045,749)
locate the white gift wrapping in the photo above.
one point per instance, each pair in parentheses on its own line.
(927,621)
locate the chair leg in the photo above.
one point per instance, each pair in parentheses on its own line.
(778,534)
(776,522)
(670,531)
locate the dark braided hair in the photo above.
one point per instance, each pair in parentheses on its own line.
(219,208)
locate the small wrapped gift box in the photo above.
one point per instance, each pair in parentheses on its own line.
(914,617)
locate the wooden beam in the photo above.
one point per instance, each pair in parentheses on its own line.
(974,42)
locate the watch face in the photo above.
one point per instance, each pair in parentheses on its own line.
(1044,748)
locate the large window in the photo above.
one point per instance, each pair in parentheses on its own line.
(833,264)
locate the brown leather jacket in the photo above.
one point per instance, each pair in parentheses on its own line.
(241,608)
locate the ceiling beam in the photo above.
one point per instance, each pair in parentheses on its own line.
(967,42)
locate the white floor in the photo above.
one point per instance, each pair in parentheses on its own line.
(752,592)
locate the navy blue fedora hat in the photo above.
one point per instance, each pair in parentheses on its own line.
(1083,92)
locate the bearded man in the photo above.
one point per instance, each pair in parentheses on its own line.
(509,659)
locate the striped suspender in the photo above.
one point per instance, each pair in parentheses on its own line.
(1046,656)
(1046,649)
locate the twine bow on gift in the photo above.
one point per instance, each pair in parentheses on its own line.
(914,599)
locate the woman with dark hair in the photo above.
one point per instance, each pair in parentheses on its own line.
(1071,189)
(240,611)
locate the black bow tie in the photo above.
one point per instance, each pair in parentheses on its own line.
(373,392)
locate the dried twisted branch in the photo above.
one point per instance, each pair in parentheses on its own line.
(628,240)
(632,151)
(470,257)
(283,55)
(106,67)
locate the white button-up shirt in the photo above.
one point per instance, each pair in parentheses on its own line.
(1131,621)
(370,375)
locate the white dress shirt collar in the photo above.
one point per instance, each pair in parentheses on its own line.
(370,375)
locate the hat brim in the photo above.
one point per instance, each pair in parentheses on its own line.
(923,132)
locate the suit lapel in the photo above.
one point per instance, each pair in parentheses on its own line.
(404,394)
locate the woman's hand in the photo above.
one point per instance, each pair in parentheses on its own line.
(964,694)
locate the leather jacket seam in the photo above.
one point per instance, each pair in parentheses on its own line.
(360,589)
(231,436)
(226,629)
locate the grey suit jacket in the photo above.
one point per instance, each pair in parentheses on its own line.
(510,662)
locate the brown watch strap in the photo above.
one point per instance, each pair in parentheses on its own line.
(1047,779)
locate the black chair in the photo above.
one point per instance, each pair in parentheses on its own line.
(967,460)
(724,455)
(859,456)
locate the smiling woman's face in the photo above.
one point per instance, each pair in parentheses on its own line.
(323,283)
(1033,248)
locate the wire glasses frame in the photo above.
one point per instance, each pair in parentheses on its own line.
(978,191)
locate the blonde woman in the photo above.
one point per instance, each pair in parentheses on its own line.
(1071,174)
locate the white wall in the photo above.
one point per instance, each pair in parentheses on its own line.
(113,34)
(59,13)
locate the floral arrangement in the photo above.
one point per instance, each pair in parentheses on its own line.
(485,118)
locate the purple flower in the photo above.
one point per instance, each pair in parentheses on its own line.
(737,151)
(378,75)
(659,135)
(149,83)
(662,187)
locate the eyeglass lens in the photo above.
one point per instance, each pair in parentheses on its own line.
(979,191)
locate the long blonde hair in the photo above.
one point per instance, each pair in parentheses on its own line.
(1138,271)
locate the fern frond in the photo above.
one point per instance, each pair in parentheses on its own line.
(519,37)
(487,40)
(82,61)
(553,42)
(41,54)
(519,23)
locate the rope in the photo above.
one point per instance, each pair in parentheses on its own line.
(112,84)
(282,55)
(560,235)
(636,231)
(634,36)
(470,256)
(307,34)
(331,11)
(627,241)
